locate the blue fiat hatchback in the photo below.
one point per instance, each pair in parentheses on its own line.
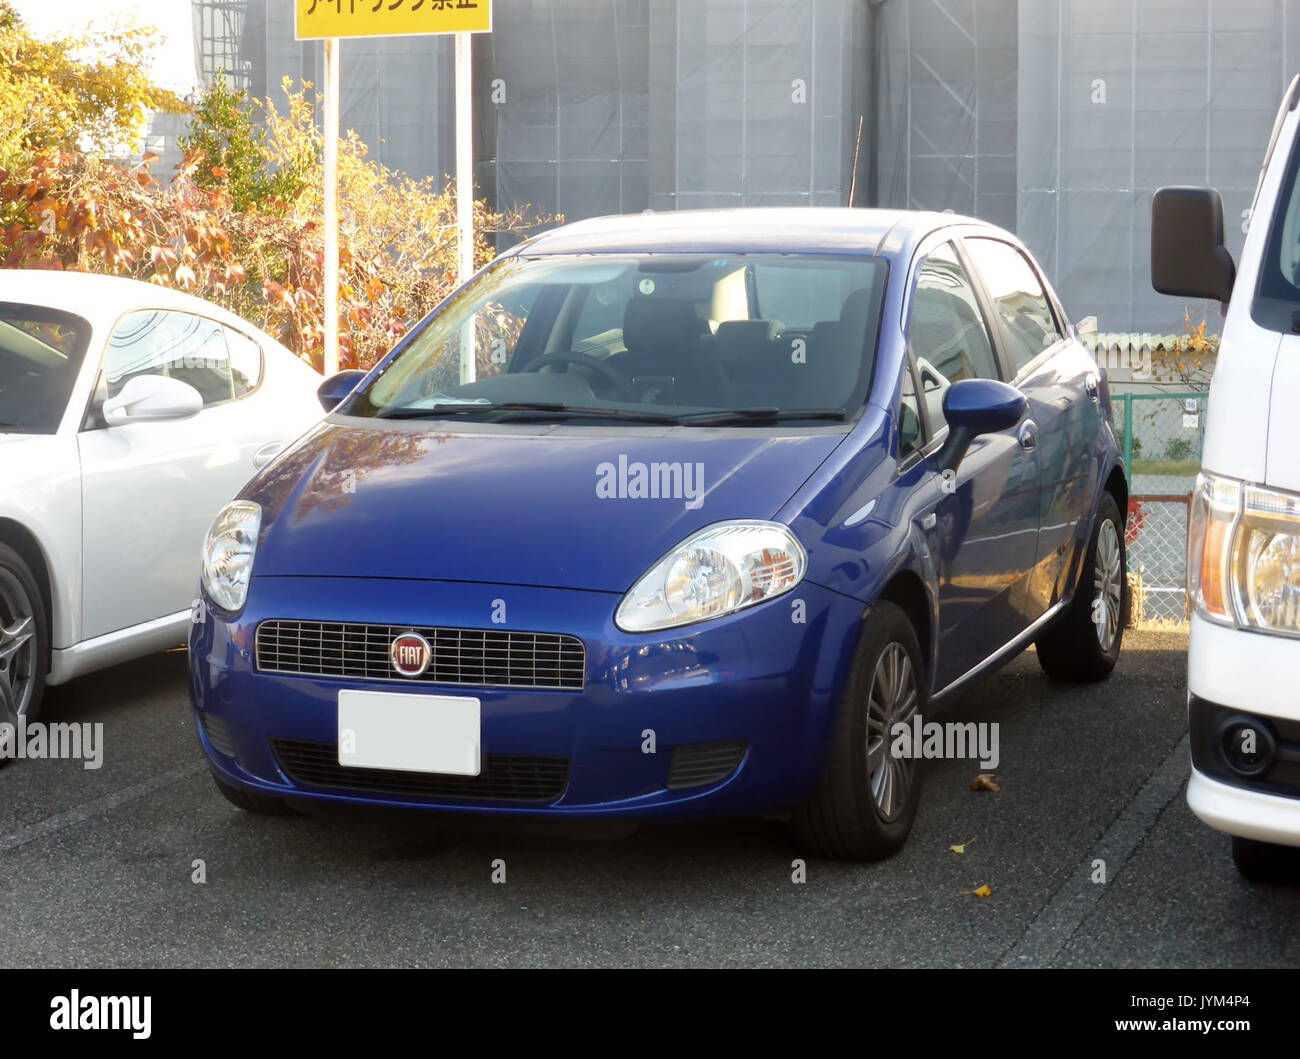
(667,516)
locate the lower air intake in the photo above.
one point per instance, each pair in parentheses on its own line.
(505,778)
(700,764)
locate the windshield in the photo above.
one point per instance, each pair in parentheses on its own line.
(40,354)
(1277,292)
(694,338)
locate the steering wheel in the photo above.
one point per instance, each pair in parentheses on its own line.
(622,386)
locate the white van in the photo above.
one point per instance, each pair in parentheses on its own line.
(1243,565)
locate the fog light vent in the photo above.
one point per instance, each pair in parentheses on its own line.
(218,734)
(699,764)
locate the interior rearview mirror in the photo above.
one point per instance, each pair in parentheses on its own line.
(973,407)
(1188,257)
(152,398)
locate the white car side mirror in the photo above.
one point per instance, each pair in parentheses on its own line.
(150,398)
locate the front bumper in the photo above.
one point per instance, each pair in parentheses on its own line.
(757,678)
(1247,813)
(1244,682)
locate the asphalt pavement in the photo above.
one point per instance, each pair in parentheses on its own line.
(99,867)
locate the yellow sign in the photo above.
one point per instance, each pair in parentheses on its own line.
(317,19)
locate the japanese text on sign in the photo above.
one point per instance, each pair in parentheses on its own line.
(390,18)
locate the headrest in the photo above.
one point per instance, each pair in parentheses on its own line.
(743,340)
(857,309)
(663,326)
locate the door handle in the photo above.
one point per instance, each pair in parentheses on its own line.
(1028,435)
(267,453)
(1092,386)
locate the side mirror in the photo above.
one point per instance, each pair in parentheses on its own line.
(973,407)
(152,398)
(331,392)
(1188,257)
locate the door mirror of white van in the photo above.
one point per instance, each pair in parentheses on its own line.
(1188,257)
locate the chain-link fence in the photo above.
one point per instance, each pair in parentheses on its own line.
(1163,436)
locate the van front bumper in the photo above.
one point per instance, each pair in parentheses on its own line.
(1244,722)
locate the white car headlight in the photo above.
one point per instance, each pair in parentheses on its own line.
(1244,555)
(228,553)
(716,571)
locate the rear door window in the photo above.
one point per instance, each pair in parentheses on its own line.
(177,345)
(1018,297)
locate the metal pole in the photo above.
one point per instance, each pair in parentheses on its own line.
(331,269)
(1128,438)
(465,187)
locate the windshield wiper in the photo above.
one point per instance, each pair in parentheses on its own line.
(509,410)
(760,415)
(540,409)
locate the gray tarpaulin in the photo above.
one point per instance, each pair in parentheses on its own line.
(946,106)
(1056,118)
(585,107)
(610,106)
(1119,97)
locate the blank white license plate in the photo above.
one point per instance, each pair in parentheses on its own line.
(409,733)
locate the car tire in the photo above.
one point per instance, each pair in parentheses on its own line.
(1076,648)
(24,642)
(252,802)
(1264,861)
(860,812)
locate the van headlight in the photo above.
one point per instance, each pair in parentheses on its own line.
(1243,563)
(228,554)
(719,570)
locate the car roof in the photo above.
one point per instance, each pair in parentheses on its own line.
(796,229)
(102,299)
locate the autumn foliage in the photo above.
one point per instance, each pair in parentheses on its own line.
(239,221)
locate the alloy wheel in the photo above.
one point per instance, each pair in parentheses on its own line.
(893,700)
(1108,586)
(17,652)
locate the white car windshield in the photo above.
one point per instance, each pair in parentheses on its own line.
(41,351)
(690,338)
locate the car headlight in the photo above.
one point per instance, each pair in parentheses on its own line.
(1244,555)
(228,553)
(720,569)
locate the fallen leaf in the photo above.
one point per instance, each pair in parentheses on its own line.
(985,782)
(979,891)
(962,847)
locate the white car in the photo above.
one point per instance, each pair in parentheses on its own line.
(129,415)
(1244,537)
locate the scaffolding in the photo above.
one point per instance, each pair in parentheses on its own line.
(220,28)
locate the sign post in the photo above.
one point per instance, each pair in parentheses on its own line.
(465,189)
(330,20)
(330,278)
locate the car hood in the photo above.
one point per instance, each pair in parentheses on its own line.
(547,506)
